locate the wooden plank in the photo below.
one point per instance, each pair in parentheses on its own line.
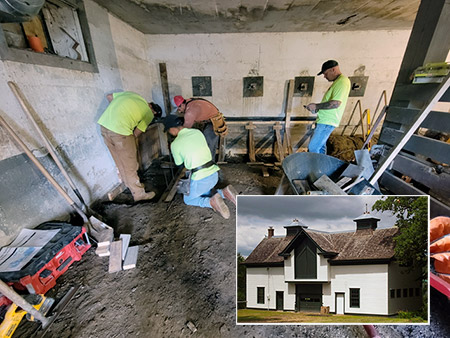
(115,258)
(116,191)
(251,142)
(131,258)
(434,149)
(125,243)
(173,186)
(324,183)
(287,146)
(279,149)
(422,172)
(34,28)
(221,157)
(102,251)
(165,87)
(399,187)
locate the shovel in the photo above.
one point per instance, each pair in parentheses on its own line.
(28,109)
(100,231)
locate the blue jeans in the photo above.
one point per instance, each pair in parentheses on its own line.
(202,190)
(318,142)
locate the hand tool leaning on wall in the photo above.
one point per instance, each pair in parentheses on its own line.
(28,109)
(98,230)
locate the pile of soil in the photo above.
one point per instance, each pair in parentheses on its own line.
(343,147)
(184,283)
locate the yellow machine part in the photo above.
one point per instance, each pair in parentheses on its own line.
(15,314)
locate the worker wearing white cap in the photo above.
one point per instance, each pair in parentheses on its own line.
(330,110)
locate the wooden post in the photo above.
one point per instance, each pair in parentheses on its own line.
(165,87)
(221,158)
(279,150)
(251,142)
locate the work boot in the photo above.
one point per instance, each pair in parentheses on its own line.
(219,205)
(230,193)
(143,196)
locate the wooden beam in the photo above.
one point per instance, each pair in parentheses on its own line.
(115,257)
(221,158)
(251,142)
(173,187)
(279,149)
(165,87)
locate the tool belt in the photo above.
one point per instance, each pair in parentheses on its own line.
(184,184)
(219,126)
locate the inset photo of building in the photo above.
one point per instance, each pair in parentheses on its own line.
(332,259)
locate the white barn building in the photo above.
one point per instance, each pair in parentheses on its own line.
(352,272)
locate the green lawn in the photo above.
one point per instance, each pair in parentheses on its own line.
(264,316)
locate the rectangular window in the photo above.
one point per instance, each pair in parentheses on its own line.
(354,297)
(58,36)
(260,295)
(405,293)
(417,292)
(411,292)
(399,293)
(392,293)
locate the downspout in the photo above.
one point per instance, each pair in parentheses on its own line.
(268,288)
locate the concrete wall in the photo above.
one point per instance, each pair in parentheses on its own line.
(68,103)
(227,58)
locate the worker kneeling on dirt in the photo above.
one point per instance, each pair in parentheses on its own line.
(127,116)
(190,148)
(205,116)
(330,110)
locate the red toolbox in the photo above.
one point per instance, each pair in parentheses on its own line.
(65,248)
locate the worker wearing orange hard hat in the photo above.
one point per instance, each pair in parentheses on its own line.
(205,116)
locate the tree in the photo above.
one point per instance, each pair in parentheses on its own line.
(241,279)
(411,243)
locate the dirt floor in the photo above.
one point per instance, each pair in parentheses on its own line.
(184,283)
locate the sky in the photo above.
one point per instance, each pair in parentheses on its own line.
(325,213)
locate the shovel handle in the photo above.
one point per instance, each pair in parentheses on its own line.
(21,302)
(38,164)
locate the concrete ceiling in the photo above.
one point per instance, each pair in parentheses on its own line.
(244,16)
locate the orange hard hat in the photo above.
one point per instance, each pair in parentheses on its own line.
(178,100)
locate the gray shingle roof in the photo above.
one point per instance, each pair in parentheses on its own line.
(360,245)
